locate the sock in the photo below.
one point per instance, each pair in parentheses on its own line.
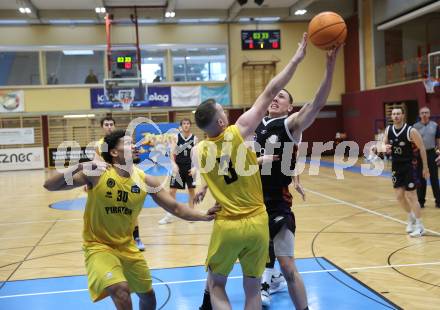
(136,233)
(411,217)
(206,305)
(271,263)
(419,222)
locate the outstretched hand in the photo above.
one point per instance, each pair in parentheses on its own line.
(332,55)
(301,51)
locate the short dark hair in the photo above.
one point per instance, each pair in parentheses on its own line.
(107,118)
(205,113)
(185,120)
(111,140)
(290,95)
(400,108)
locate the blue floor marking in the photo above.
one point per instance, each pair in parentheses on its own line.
(324,292)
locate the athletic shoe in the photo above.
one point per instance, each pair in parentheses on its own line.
(418,231)
(166,219)
(139,244)
(277,283)
(265,296)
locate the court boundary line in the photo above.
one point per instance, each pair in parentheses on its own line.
(335,270)
(353,205)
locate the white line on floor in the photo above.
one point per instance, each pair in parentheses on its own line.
(234,277)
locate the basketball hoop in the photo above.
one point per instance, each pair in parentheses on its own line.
(430,84)
(126,97)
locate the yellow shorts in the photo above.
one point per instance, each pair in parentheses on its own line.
(107,266)
(245,239)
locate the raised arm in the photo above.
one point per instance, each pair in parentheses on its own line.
(164,200)
(248,122)
(300,121)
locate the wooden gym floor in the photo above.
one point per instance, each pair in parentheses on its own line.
(355,223)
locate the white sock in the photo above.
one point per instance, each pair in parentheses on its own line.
(419,222)
(267,275)
(411,217)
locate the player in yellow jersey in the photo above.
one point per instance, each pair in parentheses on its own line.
(231,173)
(108,125)
(117,190)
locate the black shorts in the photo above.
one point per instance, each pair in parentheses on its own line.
(182,178)
(406,174)
(282,216)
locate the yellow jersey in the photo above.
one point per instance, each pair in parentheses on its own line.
(112,207)
(99,146)
(231,172)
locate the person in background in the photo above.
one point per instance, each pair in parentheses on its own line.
(91,78)
(430,133)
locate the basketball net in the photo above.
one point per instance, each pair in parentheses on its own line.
(430,84)
(126,97)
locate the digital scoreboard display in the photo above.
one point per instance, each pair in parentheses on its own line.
(124,62)
(260,39)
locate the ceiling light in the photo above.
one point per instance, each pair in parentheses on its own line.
(172,14)
(300,12)
(27,10)
(24,10)
(100,10)
(267,19)
(79,115)
(77,52)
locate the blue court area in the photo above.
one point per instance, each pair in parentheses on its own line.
(80,203)
(328,287)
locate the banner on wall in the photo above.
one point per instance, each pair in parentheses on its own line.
(155,142)
(9,136)
(11,101)
(185,96)
(22,158)
(155,96)
(219,93)
(68,157)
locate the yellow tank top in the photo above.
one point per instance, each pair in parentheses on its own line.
(99,146)
(112,208)
(234,179)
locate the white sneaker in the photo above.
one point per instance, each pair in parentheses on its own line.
(410,226)
(277,283)
(166,220)
(265,296)
(139,244)
(418,231)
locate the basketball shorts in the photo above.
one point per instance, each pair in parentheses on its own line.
(182,178)
(244,239)
(107,266)
(406,175)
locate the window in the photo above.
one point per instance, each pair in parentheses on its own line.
(19,68)
(74,67)
(153,65)
(199,64)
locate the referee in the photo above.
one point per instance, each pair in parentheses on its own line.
(430,133)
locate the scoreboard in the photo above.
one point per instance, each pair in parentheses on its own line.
(123,64)
(260,39)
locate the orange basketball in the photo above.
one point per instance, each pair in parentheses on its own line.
(327,30)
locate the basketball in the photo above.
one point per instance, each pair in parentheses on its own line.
(327,30)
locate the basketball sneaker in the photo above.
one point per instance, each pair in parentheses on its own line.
(265,296)
(168,218)
(139,244)
(418,231)
(277,283)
